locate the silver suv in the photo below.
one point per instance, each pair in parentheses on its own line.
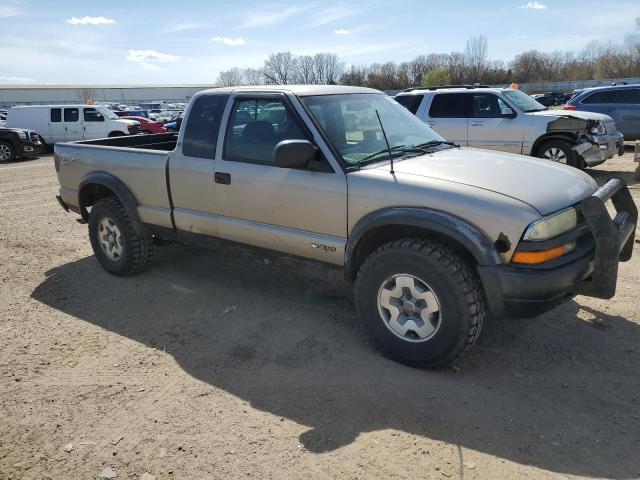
(511,121)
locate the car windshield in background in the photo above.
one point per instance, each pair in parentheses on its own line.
(109,114)
(351,124)
(523,101)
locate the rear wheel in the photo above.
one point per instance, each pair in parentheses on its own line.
(421,303)
(561,152)
(119,249)
(7,152)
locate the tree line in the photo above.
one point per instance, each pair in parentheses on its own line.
(598,60)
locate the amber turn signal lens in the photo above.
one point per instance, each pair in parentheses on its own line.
(542,256)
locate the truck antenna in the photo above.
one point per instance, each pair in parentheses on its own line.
(384,134)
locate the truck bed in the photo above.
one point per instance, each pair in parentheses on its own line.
(159,141)
(138,161)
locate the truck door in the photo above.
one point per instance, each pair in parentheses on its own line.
(493,124)
(300,211)
(93,124)
(56,127)
(72,125)
(447,115)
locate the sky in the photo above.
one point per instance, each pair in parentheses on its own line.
(190,42)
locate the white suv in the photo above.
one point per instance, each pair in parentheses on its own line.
(511,121)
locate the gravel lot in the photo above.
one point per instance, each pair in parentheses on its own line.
(224,364)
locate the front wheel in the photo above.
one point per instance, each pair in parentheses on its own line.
(421,303)
(116,244)
(116,134)
(7,152)
(561,152)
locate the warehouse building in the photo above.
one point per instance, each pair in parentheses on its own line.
(67,94)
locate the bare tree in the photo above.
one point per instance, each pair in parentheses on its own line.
(306,71)
(252,76)
(476,58)
(230,78)
(327,68)
(86,94)
(356,76)
(280,68)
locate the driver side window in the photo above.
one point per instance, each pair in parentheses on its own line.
(486,105)
(256,126)
(92,115)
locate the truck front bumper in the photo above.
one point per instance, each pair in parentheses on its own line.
(521,292)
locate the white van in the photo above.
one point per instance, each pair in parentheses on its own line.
(68,123)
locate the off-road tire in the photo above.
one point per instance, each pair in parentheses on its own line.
(572,157)
(452,280)
(11,150)
(138,249)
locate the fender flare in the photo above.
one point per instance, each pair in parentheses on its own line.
(116,185)
(466,234)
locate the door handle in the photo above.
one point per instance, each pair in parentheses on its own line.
(477,124)
(223,178)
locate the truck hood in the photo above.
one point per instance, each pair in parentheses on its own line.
(574,114)
(544,185)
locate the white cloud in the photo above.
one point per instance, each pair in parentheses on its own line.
(342,31)
(262,19)
(534,5)
(231,42)
(9,11)
(90,21)
(16,80)
(148,56)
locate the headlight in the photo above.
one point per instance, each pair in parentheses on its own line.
(598,129)
(22,135)
(549,227)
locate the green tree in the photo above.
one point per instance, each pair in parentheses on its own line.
(435,77)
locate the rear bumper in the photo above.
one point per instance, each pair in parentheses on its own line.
(514,291)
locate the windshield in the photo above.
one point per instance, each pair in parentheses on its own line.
(523,101)
(351,124)
(107,113)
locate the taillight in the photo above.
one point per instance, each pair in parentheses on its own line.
(570,107)
(56,162)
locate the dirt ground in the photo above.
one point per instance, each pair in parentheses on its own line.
(224,364)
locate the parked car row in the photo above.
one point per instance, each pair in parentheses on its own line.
(67,123)
(551,99)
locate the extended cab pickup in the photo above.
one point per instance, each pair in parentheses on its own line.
(434,236)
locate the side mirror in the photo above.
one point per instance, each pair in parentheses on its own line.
(508,112)
(294,153)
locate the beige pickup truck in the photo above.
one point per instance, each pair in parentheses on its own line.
(434,237)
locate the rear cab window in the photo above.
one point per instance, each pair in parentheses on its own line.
(410,102)
(448,105)
(203,123)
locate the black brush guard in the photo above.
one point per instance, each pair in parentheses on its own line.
(613,238)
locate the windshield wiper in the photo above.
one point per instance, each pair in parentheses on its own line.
(384,150)
(435,143)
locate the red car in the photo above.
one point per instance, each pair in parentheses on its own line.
(148,126)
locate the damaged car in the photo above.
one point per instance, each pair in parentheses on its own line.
(509,120)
